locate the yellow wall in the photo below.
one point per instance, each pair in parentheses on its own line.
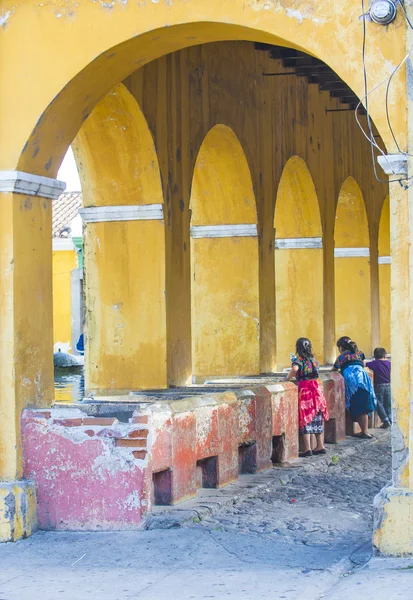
(183,96)
(352,274)
(225,302)
(384,276)
(64,261)
(298,272)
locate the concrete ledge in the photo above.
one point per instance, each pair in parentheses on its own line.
(17,510)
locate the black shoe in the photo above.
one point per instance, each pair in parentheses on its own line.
(385,425)
(363,436)
(305,454)
(323,451)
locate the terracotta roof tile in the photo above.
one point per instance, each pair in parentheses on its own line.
(65,209)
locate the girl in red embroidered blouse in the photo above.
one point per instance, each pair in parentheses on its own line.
(312,406)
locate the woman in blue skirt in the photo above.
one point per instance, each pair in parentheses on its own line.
(360,397)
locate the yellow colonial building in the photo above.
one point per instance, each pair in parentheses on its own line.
(231,200)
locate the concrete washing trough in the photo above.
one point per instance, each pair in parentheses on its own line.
(103,463)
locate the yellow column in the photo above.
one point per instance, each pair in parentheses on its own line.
(352,267)
(26,332)
(224,260)
(384,261)
(124,261)
(225,304)
(298,262)
(124,249)
(330,349)
(394,504)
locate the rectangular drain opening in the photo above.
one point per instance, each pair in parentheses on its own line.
(247,458)
(208,469)
(162,487)
(278,449)
(330,431)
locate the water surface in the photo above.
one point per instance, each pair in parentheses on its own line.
(69,385)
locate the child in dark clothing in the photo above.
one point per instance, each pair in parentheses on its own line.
(381,368)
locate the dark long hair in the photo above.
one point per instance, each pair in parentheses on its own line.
(304,348)
(347,344)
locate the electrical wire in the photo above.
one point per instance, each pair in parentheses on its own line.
(387,103)
(405,13)
(370,138)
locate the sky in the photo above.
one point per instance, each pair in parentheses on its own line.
(68,173)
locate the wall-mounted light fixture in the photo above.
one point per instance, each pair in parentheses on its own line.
(383,11)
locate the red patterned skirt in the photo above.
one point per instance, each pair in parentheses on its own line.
(311,402)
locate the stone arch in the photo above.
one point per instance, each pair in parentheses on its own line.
(384,274)
(224,260)
(298,262)
(352,266)
(124,243)
(222,191)
(116,154)
(132,35)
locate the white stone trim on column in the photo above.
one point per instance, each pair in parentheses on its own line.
(223,231)
(103,214)
(384,260)
(298,243)
(393,164)
(351,252)
(29,184)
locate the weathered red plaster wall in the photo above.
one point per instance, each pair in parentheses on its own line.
(96,473)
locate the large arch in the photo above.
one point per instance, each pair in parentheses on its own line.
(125,36)
(298,262)
(384,274)
(352,267)
(124,256)
(224,260)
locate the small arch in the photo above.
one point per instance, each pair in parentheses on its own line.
(352,266)
(116,154)
(222,191)
(384,275)
(298,252)
(296,190)
(351,226)
(224,260)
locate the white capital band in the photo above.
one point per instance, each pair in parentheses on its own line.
(351,252)
(298,243)
(223,231)
(104,214)
(393,164)
(29,184)
(384,260)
